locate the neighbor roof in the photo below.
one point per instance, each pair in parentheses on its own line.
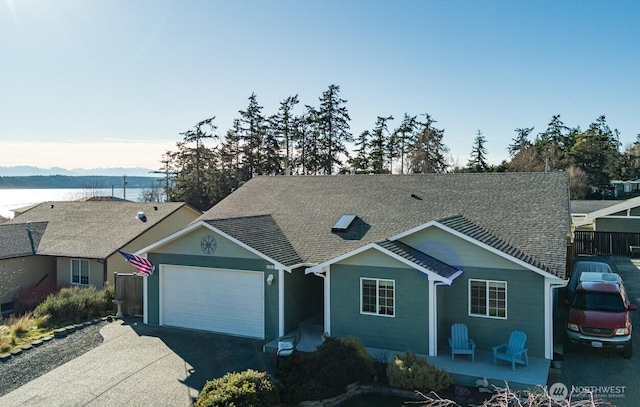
(617,206)
(527,211)
(587,206)
(93,229)
(15,241)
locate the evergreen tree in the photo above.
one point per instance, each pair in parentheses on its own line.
(196,166)
(332,122)
(478,161)
(285,126)
(379,141)
(360,163)
(405,137)
(596,152)
(555,143)
(520,142)
(253,134)
(428,154)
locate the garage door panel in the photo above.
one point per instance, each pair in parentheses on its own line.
(225,301)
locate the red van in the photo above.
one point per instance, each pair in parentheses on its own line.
(599,315)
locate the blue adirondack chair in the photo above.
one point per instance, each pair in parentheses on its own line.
(460,342)
(514,351)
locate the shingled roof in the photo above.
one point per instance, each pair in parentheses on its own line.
(525,211)
(92,229)
(15,240)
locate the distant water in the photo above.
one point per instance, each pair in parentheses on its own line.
(17,198)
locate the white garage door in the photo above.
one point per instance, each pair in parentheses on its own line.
(216,300)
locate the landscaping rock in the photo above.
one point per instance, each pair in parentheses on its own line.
(37,343)
(15,351)
(27,346)
(4,357)
(60,333)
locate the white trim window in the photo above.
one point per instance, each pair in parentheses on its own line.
(377,297)
(79,271)
(488,298)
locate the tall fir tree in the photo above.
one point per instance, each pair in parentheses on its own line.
(405,137)
(360,162)
(478,160)
(380,139)
(429,153)
(285,128)
(253,134)
(332,122)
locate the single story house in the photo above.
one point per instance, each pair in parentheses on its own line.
(77,243)
(394,260)
(610,216)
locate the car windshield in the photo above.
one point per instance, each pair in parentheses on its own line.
(595,301)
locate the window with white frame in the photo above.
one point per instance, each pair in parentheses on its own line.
(80,271)
(488,298)
(377,296)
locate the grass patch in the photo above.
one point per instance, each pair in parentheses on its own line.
(18,331)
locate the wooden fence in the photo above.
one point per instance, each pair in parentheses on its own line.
(129,290)
(604,243)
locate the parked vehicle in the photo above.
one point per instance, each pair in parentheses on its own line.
(599,313)
(584,266)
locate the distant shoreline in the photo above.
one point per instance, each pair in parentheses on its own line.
(69,181)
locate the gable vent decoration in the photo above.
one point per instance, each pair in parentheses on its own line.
(342,225)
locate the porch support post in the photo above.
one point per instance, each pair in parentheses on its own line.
(280,302)
(145,300)
(327,300)
(433,320)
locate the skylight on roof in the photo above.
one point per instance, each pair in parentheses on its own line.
(343,223)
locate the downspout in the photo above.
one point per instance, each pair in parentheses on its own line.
(327,299)
(280,302)
(549,317)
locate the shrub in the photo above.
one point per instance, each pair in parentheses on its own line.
(75,304)
(29,298)
(245,389)
(410,372)
(327,371)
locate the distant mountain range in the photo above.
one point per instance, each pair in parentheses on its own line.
(25,171)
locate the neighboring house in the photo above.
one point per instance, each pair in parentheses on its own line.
(83,238)
(20,266)
(391,259)
(612,216)
(621,188)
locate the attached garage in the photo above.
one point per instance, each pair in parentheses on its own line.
(210,299)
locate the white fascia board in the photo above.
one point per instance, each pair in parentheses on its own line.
(174,236)
(622,206)
(477,243)
(436,277)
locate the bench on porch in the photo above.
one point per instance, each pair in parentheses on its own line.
(634,250)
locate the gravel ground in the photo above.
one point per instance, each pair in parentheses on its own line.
(35,362)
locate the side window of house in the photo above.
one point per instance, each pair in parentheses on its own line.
(377,296)
(488,298)
(80,271)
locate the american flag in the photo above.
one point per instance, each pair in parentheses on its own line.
(143,265)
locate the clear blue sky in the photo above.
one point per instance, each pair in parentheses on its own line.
(106,83)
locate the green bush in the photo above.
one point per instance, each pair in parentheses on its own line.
(327,371)
(245,389)
(410,372)
(76,304)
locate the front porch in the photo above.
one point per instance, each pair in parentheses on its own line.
(462,370)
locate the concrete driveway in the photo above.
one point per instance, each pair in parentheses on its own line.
(139,365)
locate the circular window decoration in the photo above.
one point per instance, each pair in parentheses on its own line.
(208,244)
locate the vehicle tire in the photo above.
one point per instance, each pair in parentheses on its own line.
(628,351)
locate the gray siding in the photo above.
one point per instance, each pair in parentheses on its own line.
(408,330)
(270,294)
(525,310)
(629,225)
